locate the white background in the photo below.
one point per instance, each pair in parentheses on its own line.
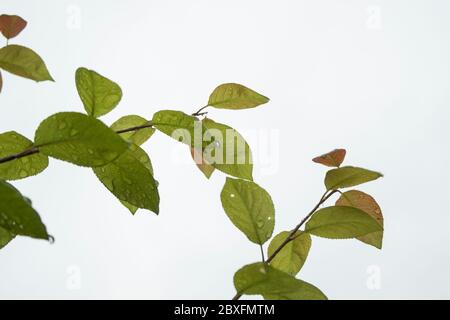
(370,76)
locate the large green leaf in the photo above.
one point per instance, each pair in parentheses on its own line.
(178,125)
(366,203)
(98,94)
(226,150)
(17,216)
(293,255)
(341,222)
(130,179)
(235,96)
(23,62)
(345,177)
(250,208)
(5,237)
(261,279)
(12,143)
(79,139)
(137,137)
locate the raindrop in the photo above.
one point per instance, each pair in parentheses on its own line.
(232,195)
(73,132)
(23,173)
(51,239)
(62,125)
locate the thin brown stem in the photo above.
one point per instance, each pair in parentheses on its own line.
(34,149)
(199,111)
(291,235)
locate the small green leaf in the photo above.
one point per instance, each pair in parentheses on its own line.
(178,125)
(137,137)
(11,25)
(17,216)
(250,209)
(331,159)
(5,237)
(206,168)
(23,62)
(345,177)
(235,96)
(98,94)
(293,255)
(226,150)
(79,139)
(12,143)
(130,179)
(261,279)
(366,203)
(341,222)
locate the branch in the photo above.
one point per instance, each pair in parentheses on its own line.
(199,111)
(34,150)
(291,236)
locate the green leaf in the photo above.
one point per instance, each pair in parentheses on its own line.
(23,62)
(235,96)
(293,255)
(366,203)
(12,143)
(177,125)
(138,137)
(17,216)
(341,222)
(226,150)
(345,177)
(79,139)
(130,179)
(98,94)
(250,209)
(11,25)
(5,237)
(261,279)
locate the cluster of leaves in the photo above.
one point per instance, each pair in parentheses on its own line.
(116,157)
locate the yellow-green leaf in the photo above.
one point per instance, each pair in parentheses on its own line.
(235,96)
(366,203)
(5,237)
(79,139)
(250,209)
(345,177)
(341,222)
(98,94)
(261,279)
(293,255)
(138,137)
(13,143)
(178,125)
(130,179)
(17,216)
(23,62)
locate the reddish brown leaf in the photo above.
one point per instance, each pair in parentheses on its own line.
(331,159)
(366,203)
(201,163)
(1,82)
(11,26)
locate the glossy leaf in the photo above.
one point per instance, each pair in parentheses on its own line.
(250,209)
(341,222)
(178,125)
(5,237)
(331,159)
(130,179)
(137,137)
(79,139)
(11,25)
(12,143)
(23,62)
(345,177)
(17,216)
(98,94)
(235,96)
(293,255)
(206,168)
(261,279)
(366,203)
(227,150)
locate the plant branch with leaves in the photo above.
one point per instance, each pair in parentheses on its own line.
(115,155)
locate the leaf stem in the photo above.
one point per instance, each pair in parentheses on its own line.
(199,111)
(34,149)
(263,259)
(291,235)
